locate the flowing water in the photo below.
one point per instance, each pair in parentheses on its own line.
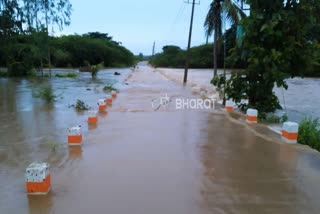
(141,161)
(302,99)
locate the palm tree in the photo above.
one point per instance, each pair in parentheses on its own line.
(213,22)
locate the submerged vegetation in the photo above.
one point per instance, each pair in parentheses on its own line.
(94,69)
(81,106)
(46,94)
(309,133)
(109,88)
(67,75)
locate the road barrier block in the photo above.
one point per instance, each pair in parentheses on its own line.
(229,105)
(38,179)
(290,132)
(252,116)
(114,94)
(75,136)
(92,117)
(102,105)
(109,99)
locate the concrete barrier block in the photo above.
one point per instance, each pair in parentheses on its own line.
(102,104)
(113,94)
(290,132)
(229,105)
(38,179)
(74,136)
(92,117)
(252,116)
(109,99)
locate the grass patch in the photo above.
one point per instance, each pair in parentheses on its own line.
(272,118)
(45,93)
(109,88)
(67,75)
(309,133)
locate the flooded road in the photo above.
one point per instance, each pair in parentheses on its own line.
(141,161)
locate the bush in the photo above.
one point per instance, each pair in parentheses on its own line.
(67,75)
(272,118)
(309,133)
(81,106)
(46,94)
(94,69)
(109,88)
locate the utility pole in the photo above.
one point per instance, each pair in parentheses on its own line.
(153,48)
(185,79)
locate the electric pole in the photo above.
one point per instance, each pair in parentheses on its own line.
(153,48)
(185,79)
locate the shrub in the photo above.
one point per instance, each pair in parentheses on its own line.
(94,69)
(81,106)
(46,94)
(67,75)
(309,133)
(109,88)
(272,118)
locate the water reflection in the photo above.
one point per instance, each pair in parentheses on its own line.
(75,152)
(40,204)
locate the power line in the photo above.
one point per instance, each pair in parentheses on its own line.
(175,20)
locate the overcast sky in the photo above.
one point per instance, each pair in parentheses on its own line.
(137,24)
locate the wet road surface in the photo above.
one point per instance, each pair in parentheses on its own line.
(141,161)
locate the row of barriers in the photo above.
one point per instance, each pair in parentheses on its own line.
(290,130)
(37,175)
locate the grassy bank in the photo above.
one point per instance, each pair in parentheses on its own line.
(309,133)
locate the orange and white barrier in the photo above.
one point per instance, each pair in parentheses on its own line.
(75,136)
(102,105)
(114,94)
(252,116)
(290,132)
(92,117)
(38,179)
(109,99)
(229,105)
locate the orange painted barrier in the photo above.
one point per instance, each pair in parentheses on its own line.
(102,105)
(290,132)
(229,106)
(75,136)
(252,116)
(92,117)
(38,179)
(114,94)
(109,100)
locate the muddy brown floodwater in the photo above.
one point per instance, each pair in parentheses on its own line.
(141,161)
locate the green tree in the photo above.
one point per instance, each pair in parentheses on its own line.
(29,17)
(275,47)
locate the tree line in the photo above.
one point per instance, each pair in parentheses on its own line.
(200,56)
(27,46)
